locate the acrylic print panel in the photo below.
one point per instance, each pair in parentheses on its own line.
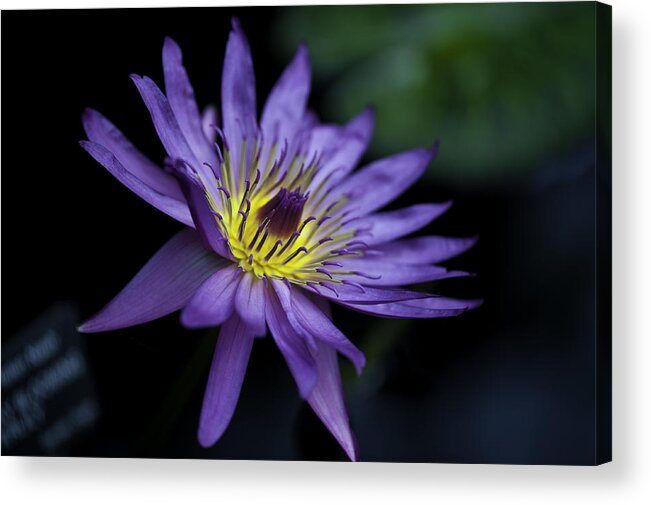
(371,233)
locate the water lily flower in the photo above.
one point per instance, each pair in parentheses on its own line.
(277,224)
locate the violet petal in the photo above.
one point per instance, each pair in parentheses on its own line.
(101,131)
(209,121)
(212,303)
(225,380)
(341,147)
(202,215)
(165,284)
(428,249)
(250,303)
(378,272)
(300,360)
(171,206)
(422,308)
(165,121)
(370,294)
(327,400)
(380,182)
(313,320)
(386,226)
(238,93)
(181,99)
(285,106)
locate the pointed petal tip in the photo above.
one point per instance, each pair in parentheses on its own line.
(434,150)
(89,113)
(139,79)
(91,325)
(207,437)
(84,328)
(471,242)
(467,305)
(474,304)
(370,110)
(364,121)
(303,56)
(187,321)
(225,380)
(353,451)
(360,364)
(453,274)
(443,207)
(89,117)
(93,147)
(237,35)
(171,49)
(203,440)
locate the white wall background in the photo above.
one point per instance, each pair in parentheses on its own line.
(627,480)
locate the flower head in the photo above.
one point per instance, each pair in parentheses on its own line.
(277,225)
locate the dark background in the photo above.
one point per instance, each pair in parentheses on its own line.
(510,91)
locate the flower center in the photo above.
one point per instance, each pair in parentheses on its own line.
(273,239)
(283,212)
(273,228)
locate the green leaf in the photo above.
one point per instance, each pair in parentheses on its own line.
(501,85)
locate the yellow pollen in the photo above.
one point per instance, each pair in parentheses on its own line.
(298,256)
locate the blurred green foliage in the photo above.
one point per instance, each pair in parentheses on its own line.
(501,85)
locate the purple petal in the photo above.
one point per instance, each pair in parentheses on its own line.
(284,295)
(285,106)
(225,380)
(324,139)
(341,148)
(309,120)
(165,121)
(182,102)
(293,347)
(321,302)
(313,320)
(203,217)
(367,294)
(238,92)
(209,120)
(327,401)
(421,308)
(377,272)
(163,285)
(250,303)
(430,249)
(213,301)
(171,206)
(101,131)
(384,180)
(387,226)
